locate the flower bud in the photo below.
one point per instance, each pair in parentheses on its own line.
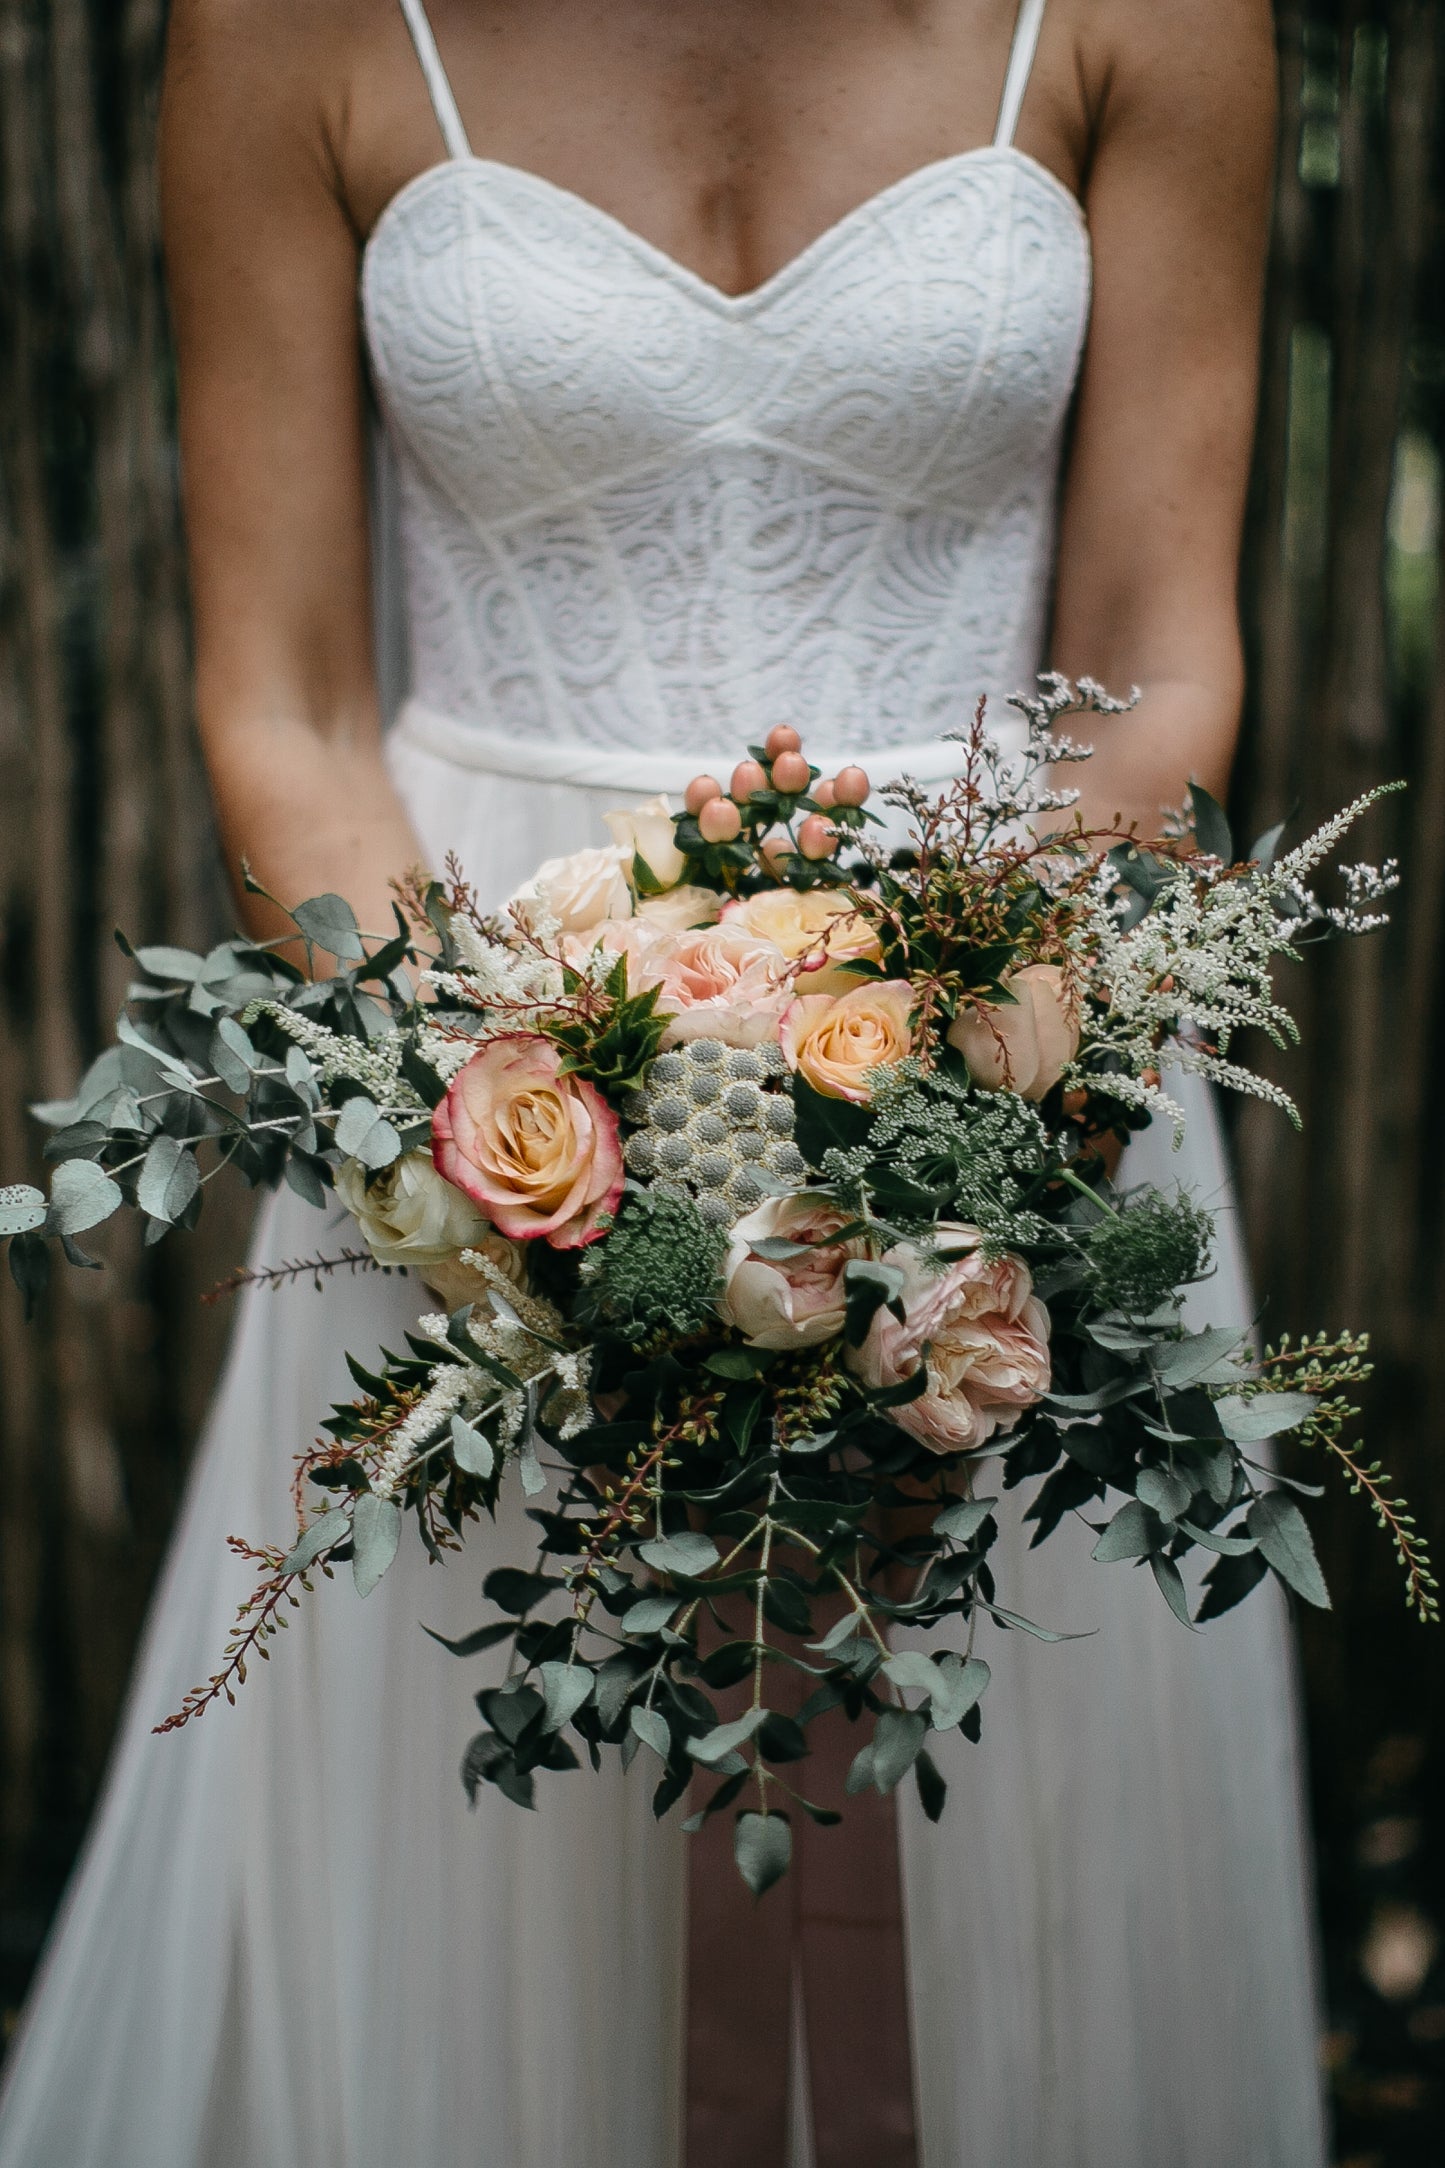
(791,773)
(719,820)
(782,738)
(748,776)
(852,786)
(699,791)
(817,838)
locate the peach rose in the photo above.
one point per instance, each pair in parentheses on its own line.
(833,1040)
(822,925)
(983,1333)
(579,891)
(788,1301)
(714,984)
(536,1150)
(646,831)
(1025,1047)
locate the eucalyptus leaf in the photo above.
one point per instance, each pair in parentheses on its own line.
(471,1449)
(964,1681)
(762,1847)
(1249,1420)
(170,963)
(835,1637)
(897,1739)
(323,1535)
(962,1522)
(687,1553)
(330,922)
(651,1729)
(1166,1494)
(169,1179)
(375,1534)
(714,1746)
(81,1196)
(566,1688)
(916,1673)
(22,1209)
(649,1616)
(1177,1363)
(1132,1533)
(364,1133)
(1171,1587)
(1285,1543)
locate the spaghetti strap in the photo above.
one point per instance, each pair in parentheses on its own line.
(444,105)
(1020,63)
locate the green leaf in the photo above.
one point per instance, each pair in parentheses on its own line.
(375,1532)
(330,922)
(1211,825)
(1285,1543)
(1177,1363)
(737,1362)
(170,963)
(961,1523)
(22,1209)
(897,1741)
(233,1057)
(169,1179)
(686,1553)
(1171,1587)
(834,1638)
(932,1791)
(510,1589)
(1227,1583)
(323,1535)
(762,1847)
(1249,1420)
(1165,1494)
(915,1673)
(649,1616)
(364,1133)
(713,1746)
(651,1729)
(81,1196)
(1226,1546)
(1132,1533)
(471,1449)
(566,1688)
(964,1681)
(868,1286)
(472,1644)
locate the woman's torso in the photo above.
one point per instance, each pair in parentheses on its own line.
(640,511)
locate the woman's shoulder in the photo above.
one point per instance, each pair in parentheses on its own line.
(1185,63)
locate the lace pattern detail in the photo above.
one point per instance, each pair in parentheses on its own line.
(639,512)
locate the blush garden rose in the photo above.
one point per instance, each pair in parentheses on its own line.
(537,1151)
(1024,1046)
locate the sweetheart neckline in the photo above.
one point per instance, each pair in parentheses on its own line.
(682,273)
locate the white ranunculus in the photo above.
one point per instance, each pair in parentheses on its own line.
(579,891)
(647,830)
(410,1215)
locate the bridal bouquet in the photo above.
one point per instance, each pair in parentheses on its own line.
(761,1181)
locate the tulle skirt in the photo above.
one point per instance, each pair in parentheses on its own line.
(290,1944)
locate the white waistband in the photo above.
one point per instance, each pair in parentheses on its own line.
(604,767)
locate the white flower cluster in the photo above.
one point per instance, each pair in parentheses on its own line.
(1204,953)
(451,1385)
(372,1063)
(709,1126)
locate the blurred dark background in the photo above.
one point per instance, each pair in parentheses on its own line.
(103,823)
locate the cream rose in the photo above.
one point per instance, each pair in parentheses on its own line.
(680,909)
(580,891)
(980,1328)
(822,925)
(715,983)
(834,1040)
(1026,1046)
(536,1150)
(409,1215)
(646,831)
(788,1301)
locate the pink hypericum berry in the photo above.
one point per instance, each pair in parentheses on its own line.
(824,791)
(719,820)
(774,851)
(851,786)
(748,776)
(791,773)
(817,838)
(782,738)
(699,791)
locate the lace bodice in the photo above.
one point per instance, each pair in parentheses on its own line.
(638,512)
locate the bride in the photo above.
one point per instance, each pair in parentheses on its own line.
(732,360)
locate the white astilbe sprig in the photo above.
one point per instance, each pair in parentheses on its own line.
(452,1386)
(372,1063)
(1202,958)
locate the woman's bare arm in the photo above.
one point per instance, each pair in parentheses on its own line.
(263,268)
(1177,201)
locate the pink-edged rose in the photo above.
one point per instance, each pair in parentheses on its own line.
(536,1150)
(982,1331)
(714,982)
(834,1040)
(1024,1045)
(795,1301)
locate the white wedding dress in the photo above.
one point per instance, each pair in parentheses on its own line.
(642,521)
